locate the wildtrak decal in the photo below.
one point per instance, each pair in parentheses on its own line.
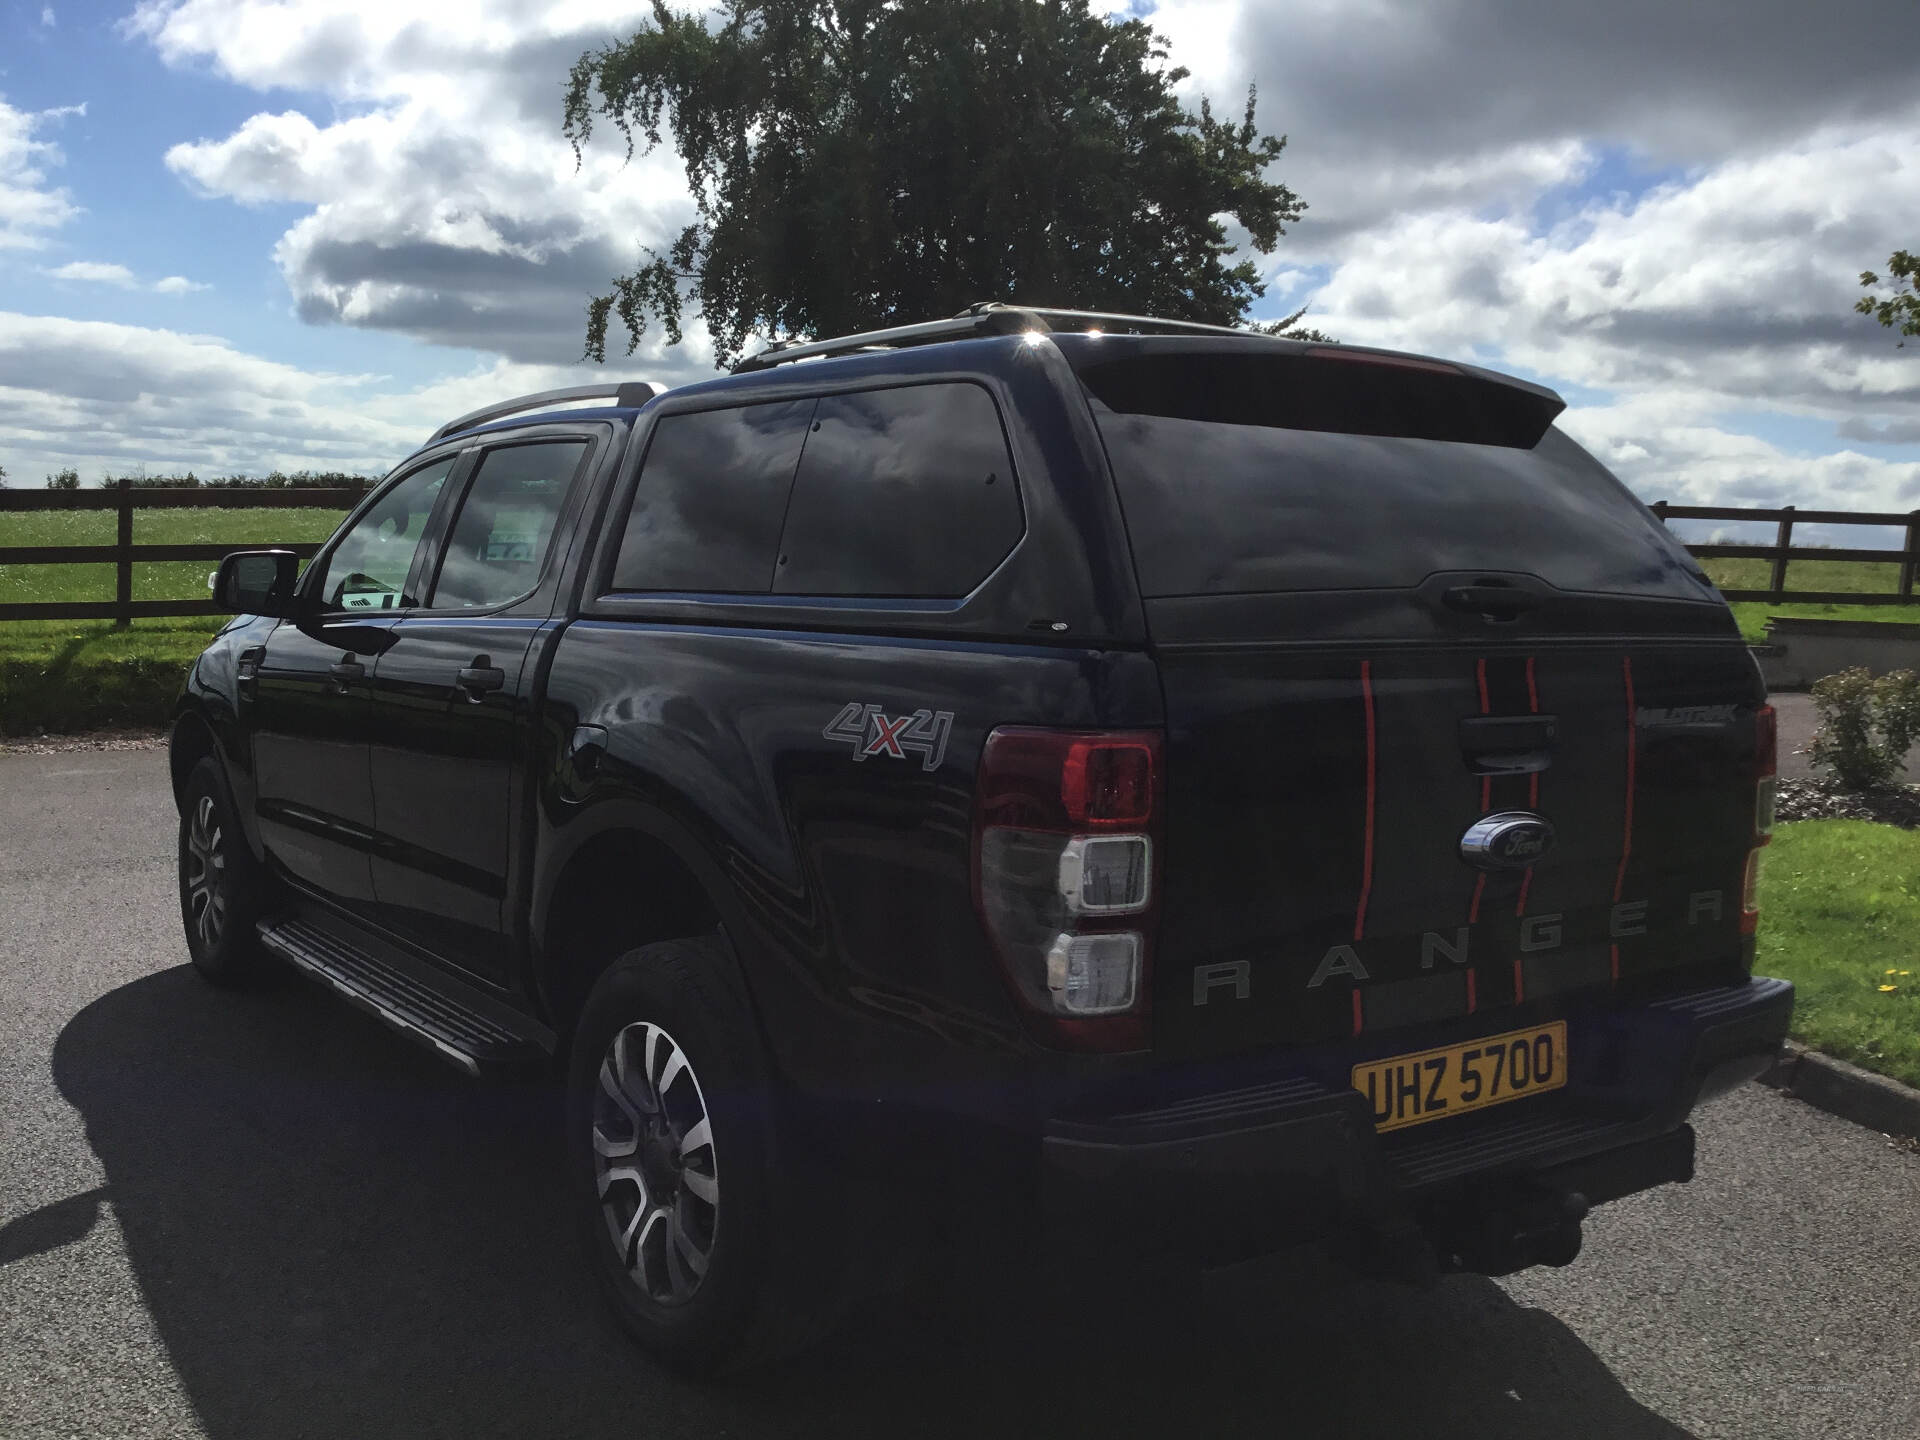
(1655,718)
(871,731)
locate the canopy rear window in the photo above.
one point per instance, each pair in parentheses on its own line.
(1244,473)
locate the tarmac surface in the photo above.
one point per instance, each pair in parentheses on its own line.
(260,1215)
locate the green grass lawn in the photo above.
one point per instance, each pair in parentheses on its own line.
(182,580)
(1804,575)
(1840,917)
(62,675)
(1808,575)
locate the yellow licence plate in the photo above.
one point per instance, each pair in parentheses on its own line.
(1457,1079)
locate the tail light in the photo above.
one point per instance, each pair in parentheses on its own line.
(1066,859)
(1766,764)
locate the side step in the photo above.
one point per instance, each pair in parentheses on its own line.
(473,1030)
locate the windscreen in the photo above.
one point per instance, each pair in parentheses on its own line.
(1240,475)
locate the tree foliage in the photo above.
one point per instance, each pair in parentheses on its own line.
(860,163)
(1902,307)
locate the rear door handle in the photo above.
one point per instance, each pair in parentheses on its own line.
(480,677)
(1508,744)
(346,672)
(1495,602)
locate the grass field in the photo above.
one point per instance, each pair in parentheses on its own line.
(184,580)
(1808,575)
(61,675)
(67,674)
(1840,917)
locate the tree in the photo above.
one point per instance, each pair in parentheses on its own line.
(3,477)
(860,163)
(68,479)
(1902,307)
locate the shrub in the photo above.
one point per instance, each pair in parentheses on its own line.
(68,479)
(1866,725)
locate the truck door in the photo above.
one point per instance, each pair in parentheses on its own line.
(452,696)
(309,709)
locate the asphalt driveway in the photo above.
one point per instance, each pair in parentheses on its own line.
(247,1216)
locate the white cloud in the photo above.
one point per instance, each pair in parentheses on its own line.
(94,272)
(46,16)
(29,206)
(1729,290)
(1448,151)
(97,272)
(443,202)
(99,396)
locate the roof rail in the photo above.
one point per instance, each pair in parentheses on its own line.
(626,392)
(989,318)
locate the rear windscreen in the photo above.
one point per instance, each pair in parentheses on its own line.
(1233,496)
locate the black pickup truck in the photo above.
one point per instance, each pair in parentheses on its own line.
(1251,790)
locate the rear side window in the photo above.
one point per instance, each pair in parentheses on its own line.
(500,540)
(713,490)
(901,492)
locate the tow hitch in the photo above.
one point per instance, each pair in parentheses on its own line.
(1502,1233)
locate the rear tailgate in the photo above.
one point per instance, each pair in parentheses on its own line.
(1369,641)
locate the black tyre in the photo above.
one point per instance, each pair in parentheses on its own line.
(671,1146)
(223,888)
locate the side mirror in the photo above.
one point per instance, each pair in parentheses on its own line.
(256,582)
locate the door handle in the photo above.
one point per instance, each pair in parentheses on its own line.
(346,673)
(480,677)
(1508,744)
(1498,604)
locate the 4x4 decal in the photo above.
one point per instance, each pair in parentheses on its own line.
(871,731)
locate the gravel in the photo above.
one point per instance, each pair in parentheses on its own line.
(1822,800)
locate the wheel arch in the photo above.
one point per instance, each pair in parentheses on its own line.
(191,742)
(668,887)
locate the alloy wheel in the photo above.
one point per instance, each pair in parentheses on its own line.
(206,875)
(655,1169)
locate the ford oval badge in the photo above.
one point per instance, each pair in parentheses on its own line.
(1510,840)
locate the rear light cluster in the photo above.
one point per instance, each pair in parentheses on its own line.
(1066,853)
(1765,768)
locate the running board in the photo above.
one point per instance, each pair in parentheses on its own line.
(473,1030)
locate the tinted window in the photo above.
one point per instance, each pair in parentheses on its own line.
(1223,508)
(706,514)
(903,492)
(368,568)
(500,539)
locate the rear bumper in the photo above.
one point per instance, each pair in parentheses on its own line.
(1294,1156)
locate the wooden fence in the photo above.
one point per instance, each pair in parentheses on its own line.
(123,553)
(127,498)
(1784,550)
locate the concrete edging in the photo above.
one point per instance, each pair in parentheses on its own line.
(1846,1090)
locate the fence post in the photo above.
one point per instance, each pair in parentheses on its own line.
(123,576)
(1913,556)
(1659,508)
(1782,541)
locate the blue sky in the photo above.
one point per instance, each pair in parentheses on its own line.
(1661,212)
(137,213)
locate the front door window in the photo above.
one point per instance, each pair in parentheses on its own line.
(368,568)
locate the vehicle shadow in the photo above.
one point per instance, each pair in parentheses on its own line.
(336,1236)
